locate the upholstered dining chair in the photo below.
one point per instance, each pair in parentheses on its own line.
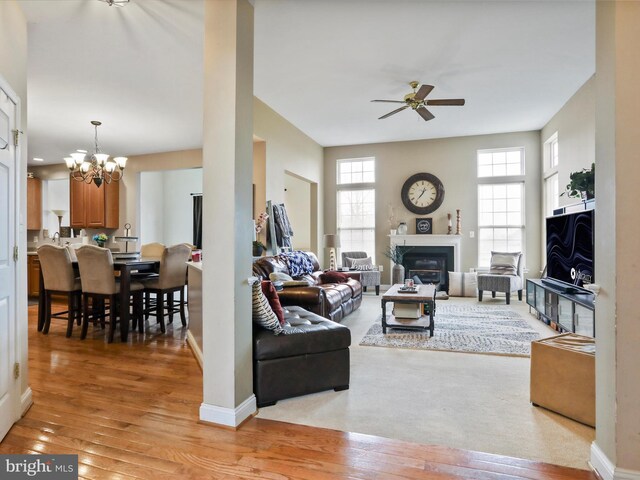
(366,277)
(99,284)
(59,278)
(172,278)
(505,275)
(152,250)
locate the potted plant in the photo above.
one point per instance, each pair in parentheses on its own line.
(258,248)
(396,254)
(582,184)
(100,239)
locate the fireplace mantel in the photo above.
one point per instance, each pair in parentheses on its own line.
(430,240)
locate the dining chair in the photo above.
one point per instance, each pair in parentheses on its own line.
(172,278)
(99,284)
(60,279)
(152,250)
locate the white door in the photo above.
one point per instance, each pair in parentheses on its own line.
(8,311)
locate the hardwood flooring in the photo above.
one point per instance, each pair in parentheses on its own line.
(131,411)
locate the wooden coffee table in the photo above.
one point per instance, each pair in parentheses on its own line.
(425,296)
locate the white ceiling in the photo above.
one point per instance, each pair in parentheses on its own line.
(318,63)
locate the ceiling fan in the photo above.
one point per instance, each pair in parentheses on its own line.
(416,100)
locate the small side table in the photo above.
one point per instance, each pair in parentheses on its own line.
(426,295)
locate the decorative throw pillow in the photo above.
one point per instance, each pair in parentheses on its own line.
(361,264)
(504,263)
(334,277)
(280,277)
(269,291)
(463,284)
(261,310)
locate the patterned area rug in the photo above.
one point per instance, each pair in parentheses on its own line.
(493,330)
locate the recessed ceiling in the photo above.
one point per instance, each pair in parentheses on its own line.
(318,63)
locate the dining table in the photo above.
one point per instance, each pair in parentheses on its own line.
(125,267)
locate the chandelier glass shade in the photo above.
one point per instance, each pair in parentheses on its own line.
(98,168)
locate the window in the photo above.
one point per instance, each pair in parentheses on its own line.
(356,205)
(550,174)
(500,202)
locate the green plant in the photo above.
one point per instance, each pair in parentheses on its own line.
(100,237)
(396,253)
(582,183)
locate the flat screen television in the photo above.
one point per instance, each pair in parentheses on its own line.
(570,248)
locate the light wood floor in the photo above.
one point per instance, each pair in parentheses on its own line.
(131,411)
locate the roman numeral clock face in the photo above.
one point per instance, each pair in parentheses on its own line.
(422,193)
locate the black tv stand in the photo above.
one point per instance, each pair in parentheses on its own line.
(560,287)
(564,307)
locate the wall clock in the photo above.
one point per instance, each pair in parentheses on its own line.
(422,193)
(424,225)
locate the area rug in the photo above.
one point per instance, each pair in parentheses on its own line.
(493,330)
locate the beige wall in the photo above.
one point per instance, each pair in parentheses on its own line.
(575,123)
(617,233)
(289,150)
(453,161)
(297,200)
(13,68)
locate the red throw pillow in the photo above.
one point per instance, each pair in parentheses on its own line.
(334,277)
(269,291)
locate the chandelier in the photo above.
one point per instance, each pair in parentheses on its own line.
(97,168)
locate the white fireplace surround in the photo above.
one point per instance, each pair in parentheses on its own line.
(430,241)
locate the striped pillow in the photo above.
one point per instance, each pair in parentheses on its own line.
(262,312)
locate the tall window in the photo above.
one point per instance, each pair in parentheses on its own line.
(356,205)
(550,160)
(500,202)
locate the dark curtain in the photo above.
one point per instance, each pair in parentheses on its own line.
(197,221)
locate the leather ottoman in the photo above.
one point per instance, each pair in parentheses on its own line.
(563,376)
(313,359)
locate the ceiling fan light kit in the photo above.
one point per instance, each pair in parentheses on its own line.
(98,168)
(416,101)
(116,3)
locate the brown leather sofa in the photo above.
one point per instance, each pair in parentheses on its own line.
(330,300)
(313,359)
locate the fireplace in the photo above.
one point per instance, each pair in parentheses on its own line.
(430,257)
(430,264)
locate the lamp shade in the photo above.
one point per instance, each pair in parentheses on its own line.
(331,240)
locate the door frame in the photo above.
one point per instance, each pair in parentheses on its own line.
(22,395)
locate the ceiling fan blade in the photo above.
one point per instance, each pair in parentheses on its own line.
(424,113)
(422,92)
(449,101)
(394,112)
(389,101)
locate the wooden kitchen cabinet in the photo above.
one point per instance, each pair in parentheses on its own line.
(94,207)
(33,275)
(34,204)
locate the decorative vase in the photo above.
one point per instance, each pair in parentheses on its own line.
(397,274)
(257,250)
(402,228)
(100,244)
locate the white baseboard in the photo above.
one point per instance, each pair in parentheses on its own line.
(606,469)
(230,417)
(26,400)
(197,353)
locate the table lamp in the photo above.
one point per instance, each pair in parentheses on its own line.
(332,241)
(59,214)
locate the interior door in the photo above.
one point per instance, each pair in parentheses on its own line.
(8,393)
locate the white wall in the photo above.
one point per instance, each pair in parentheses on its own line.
(166,205)
(297,200)
(151,206)
(55,196)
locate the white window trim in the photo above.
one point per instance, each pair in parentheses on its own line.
(547,169)
(350,186)
(497,150)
